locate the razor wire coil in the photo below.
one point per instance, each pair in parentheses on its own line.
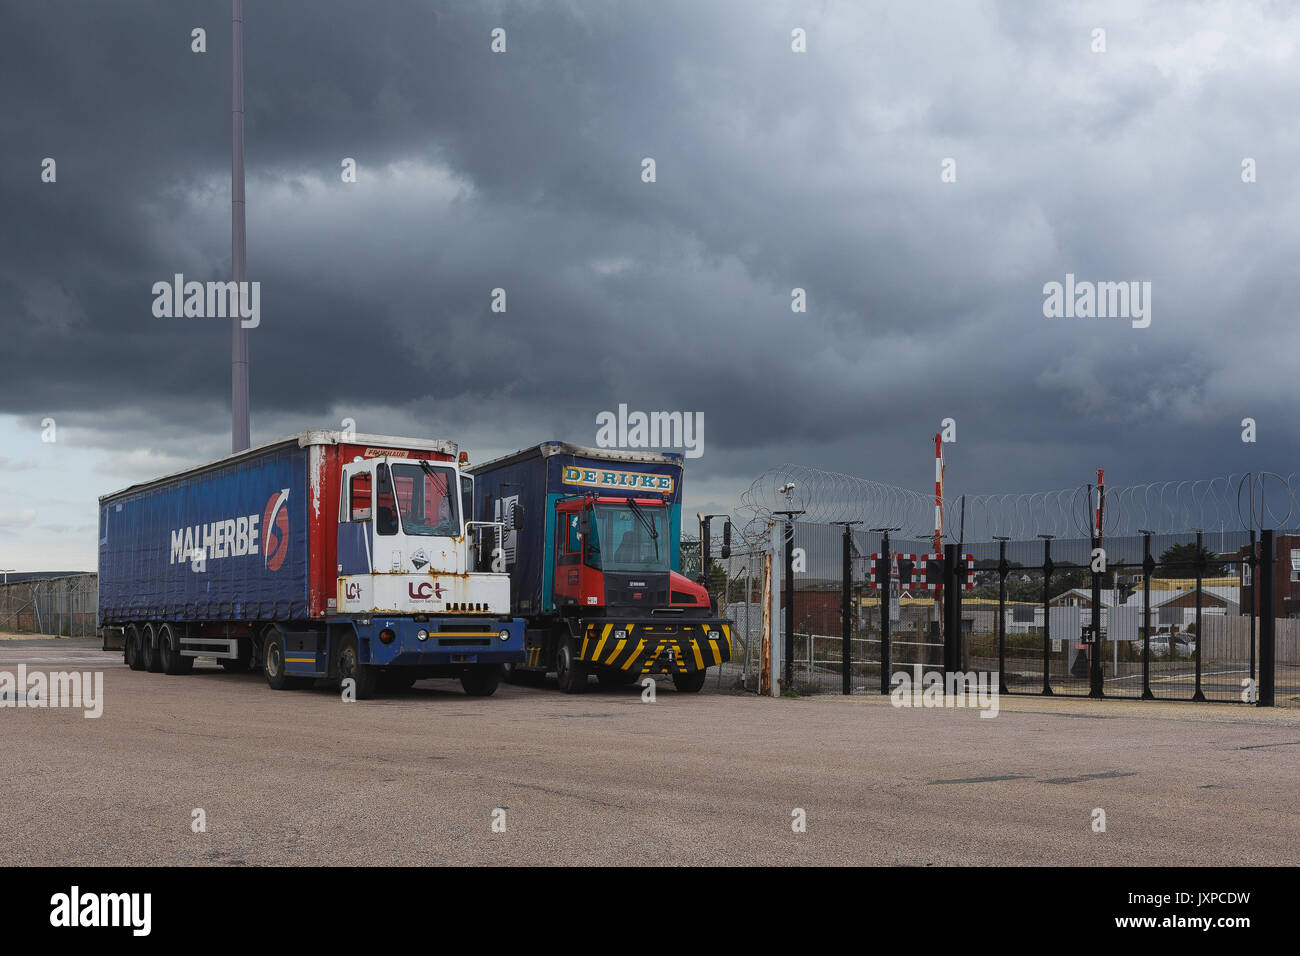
(1234,502)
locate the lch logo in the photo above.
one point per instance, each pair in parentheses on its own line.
(74,909)
(423,591)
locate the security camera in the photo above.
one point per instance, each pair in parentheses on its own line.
(787,488)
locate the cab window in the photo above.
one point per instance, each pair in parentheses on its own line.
(385,502)
(359,497)
(568,543)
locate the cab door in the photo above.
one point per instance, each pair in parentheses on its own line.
(356,521)
(571,573)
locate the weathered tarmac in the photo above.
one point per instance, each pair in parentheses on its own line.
(300,777)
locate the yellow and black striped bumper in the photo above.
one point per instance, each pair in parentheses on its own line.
(656,647)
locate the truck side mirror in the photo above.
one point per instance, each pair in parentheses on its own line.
(726,539)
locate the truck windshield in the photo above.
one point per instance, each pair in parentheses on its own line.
(426,499)
(621,541)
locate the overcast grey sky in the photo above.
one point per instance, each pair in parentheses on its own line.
(775,169)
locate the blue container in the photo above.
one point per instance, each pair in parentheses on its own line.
(537,477)
(248,520)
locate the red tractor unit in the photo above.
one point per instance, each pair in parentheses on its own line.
(592,545)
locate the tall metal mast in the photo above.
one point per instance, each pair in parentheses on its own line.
(239,427)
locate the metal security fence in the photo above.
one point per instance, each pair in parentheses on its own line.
(1150,616)
(66,606)
(740,599)
(1193,616)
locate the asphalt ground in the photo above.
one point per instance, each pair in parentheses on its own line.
(301,777)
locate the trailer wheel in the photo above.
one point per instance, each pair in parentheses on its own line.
(569,674)
(131,650)
(349,666)
(480,681)
(169,652)
(149,649)
(691,683)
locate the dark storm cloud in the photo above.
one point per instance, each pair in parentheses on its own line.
(775,170)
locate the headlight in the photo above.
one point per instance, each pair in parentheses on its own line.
(421,635)
(504,635)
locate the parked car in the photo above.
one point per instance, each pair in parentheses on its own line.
(1184,645)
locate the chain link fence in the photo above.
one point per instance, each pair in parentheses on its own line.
(64,606)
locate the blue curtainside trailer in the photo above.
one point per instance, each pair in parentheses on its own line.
(322,555)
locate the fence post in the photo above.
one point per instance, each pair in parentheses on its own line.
(1148,566)
(751,575)
(1252,562)
(788,650)
(1096,684)
(846,608)
(1003,568)
(789,606)
(886,594)
(1047,614)
(767,623)
(951,612)
(776,663)
(1199,695)
(1268,619)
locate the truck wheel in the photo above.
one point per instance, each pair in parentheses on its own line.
(273,664)
(690,683)
(480,681)
(365,676)
(569,674)
(131,651)
(149,649)
(169,652)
